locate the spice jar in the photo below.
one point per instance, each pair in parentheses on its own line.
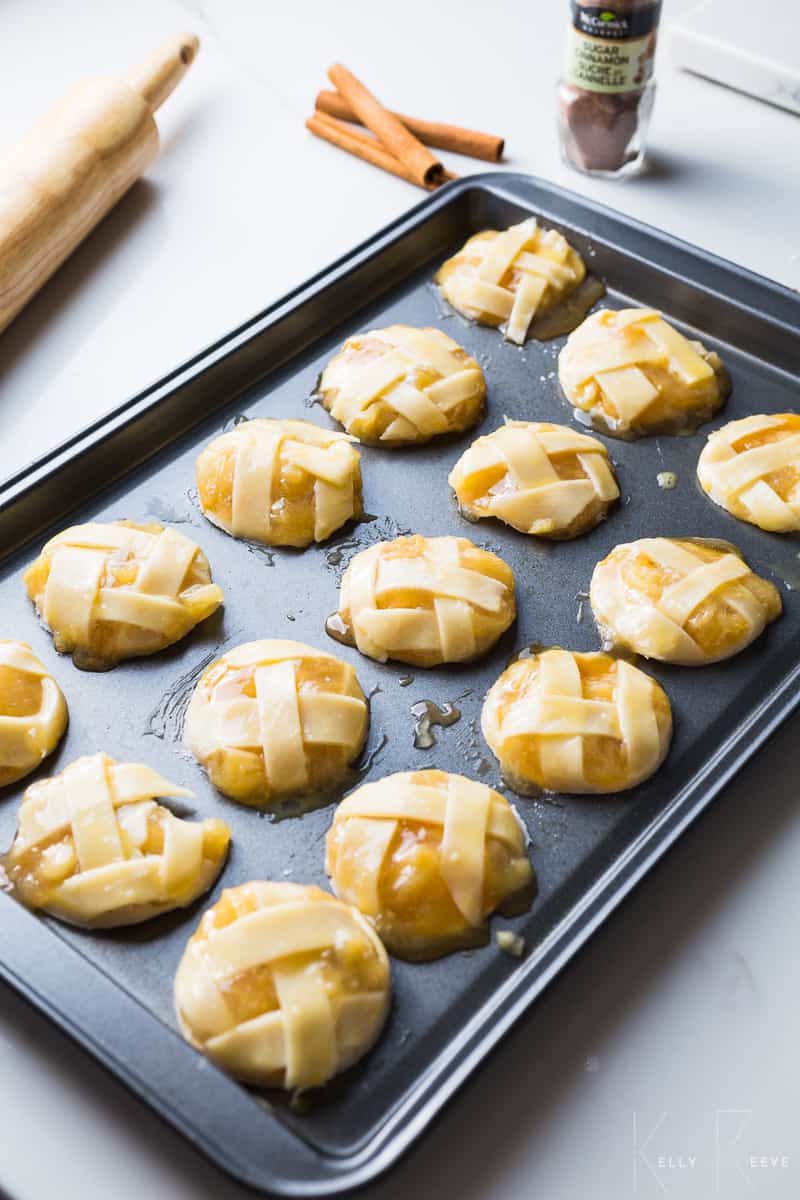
(606,94)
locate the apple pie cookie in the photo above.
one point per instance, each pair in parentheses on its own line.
(94,847)
(272,719)
(632,374)
(285,483)
(684,601)
(121,590)
(424,601)
(33,712)
(752,468)
(539,478)
(511,277)
(282,985)
(581,723)
(401,386)
(428,857)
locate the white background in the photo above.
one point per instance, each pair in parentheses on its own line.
(666,1055)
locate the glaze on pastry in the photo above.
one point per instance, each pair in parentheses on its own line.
(509,278)
(282,985)
(401,386)
(425,601)
(428,857)
(632,374)
(95,848)
(751,468)
(272,719)
(681,601)
(33,712)
(542,479)
(121,590)
(284,483)
(581,723)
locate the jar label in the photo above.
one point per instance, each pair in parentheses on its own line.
(610,51)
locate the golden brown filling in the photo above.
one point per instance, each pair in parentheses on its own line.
(784,479)
(240,772)
(375,419)
(434,634)
(476,490)
(716,626)
(676,405)
(110,639)
(37,871)
(608,369)
(292,514)
(20,693)
(351,966)
(415,902)
(121,568)
(471,256)
(605,759)
(470,557)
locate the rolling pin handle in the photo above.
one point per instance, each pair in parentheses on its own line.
(159,74)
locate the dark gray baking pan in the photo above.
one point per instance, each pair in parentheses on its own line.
(112,991)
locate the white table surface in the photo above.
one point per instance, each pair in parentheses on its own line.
(664,1060)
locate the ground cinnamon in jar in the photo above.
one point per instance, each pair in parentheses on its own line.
(606,94)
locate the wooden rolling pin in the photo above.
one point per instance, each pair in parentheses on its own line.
(75,164)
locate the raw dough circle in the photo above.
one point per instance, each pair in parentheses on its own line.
(428,857)
(751,468)
(401,386)
(511,277)
(632,374)
(541,479)
(282,985)
(580,723)
(33,712)
(686,601)
(121,590)
(94,847)
(425,601)
(272,719)
(284,483)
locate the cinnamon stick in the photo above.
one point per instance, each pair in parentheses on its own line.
(470,142)
(340,134)
(424,168)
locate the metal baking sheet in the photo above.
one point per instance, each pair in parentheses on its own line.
(112,991)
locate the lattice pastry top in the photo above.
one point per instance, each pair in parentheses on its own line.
(568,722)
(427,857)
(509,278)
(425,601)
(94,848)
(285,483)
(399,386)
(33,711)
(543,479)
(682,601)
(752,468)
(633,374)
(282,985)
(275,718)
(121,590)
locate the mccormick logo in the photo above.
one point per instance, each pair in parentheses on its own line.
(594,20)
(602,22)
